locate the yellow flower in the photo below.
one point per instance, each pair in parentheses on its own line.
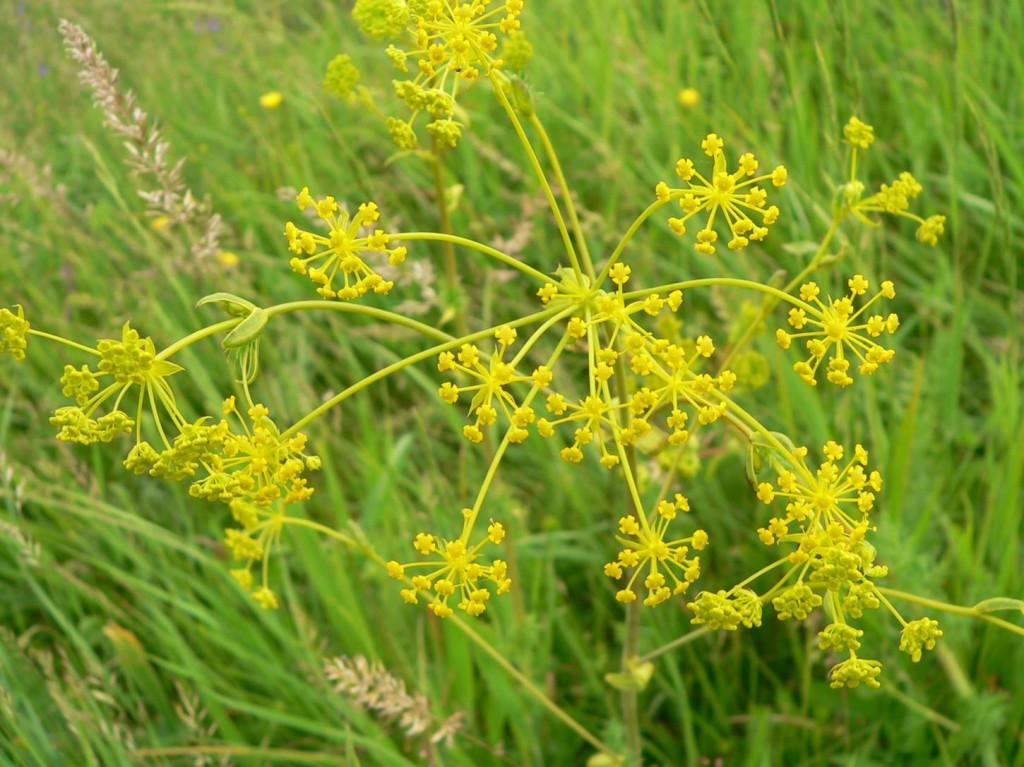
(341,249)
(918,636)
(131,361)
(859,134)
(891,198)
(829,507)
(666,565)
(516,52)
(381,18)
(834,332)
(735,195)
(453,43)
(257,463)
(13,332)
(271,99)
(851,672)
(727,609)
(491,395)
(453,571)
(341,77)
(227,259)
(688,97)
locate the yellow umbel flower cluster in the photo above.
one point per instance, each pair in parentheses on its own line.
(257,463)
(645,549)
(831,330)
(130,361)
(341,250)
(341,77)
(735,195)
(893,198)
(252,542)
(452,571)
(13,332)
(491,394)
(829,507)
(664,377)
(452,44)
(826,517)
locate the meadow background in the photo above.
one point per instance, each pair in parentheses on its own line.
(125,642)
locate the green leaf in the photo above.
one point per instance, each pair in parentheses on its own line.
(164,368)
(636,678)
(247,331)
(995,604)
(230,303)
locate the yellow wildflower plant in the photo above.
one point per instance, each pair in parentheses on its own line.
(646,550)
(607,366)
(736,196)
(449,44)
(130,361)
(341,250)
(831,330)
(13,332)
(453,572)
(893,198)
(491,395)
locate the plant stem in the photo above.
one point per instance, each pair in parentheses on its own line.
(570,208)
(451,272)
(452,239)
(946,607)
(530,687)
(61,340)
(406,362)
(629,696)
(539,170)
(678,642)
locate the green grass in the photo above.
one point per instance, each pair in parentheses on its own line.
(127,612)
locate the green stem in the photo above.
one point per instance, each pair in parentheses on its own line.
(732,282)
(198,335)
(745,421)
(628,696)
(451,271)
(323,529)
(946,607)
(539,171)
(556,166)
(308,306)
(678,642)
(406,362)
(530,687)
(637,223)
(769,305)
(451,239)
(62,340)
(383,315)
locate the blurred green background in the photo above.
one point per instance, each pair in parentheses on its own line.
(124,640)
